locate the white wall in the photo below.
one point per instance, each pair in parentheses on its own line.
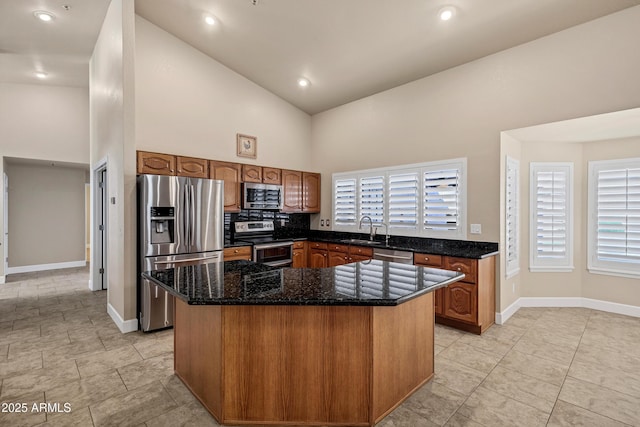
(43,122)
(46,214)
(585,70)
(112,139)
(190,104)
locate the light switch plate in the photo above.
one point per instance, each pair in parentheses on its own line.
(328,222)
(322,223)
(476,228)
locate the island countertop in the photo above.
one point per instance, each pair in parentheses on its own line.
(373,282)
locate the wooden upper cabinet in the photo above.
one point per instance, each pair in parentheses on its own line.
(156,163)
(231,174)
(310,192)
(292,188)
(251,173)
(192,167)
(271,176)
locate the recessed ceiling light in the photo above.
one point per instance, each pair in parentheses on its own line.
(210,20)
(446,13)
(44,15)
(41,74)
(303,82)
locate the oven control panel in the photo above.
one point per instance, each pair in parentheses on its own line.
(253,226)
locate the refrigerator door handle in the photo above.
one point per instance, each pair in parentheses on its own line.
(187,222)
(192,220)
(178,261)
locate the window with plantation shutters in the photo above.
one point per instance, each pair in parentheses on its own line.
(512,216)
(443,200)
(344,203)
(614,217)
(371,198)
(425,200)
(551,224)
(403,200)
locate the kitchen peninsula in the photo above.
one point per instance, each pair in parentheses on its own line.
(332,346)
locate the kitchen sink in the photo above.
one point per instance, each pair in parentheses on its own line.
(360,242)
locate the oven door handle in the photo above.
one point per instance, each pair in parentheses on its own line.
(278,263)
(272,245)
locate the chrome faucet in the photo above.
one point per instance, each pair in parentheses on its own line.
(371,230)
(386,233)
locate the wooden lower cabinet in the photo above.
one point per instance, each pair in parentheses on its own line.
(318,258)
(237,253)
(303,365)
(469,304)
(299,255)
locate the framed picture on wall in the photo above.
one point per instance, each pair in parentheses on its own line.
(247,146)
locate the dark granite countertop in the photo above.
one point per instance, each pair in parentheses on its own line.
(244,282)
(455,248)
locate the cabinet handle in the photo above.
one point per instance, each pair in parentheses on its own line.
(459,269)
(235,251)
(324,255)
(426,258)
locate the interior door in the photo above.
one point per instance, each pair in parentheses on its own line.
(101,229)
(5,222)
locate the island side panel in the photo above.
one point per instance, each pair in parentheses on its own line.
(487,292)
(198,352)
(297,365)
(402,352)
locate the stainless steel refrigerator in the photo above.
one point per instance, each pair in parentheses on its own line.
(180,223)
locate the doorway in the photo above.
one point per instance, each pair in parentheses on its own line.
(5,222)
(99,252)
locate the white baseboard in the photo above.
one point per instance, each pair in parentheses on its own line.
(91,285)
(610,307)
(507,313)
(43,267)
(125,326)
(2,280)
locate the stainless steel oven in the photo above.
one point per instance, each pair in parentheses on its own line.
(266,249)
(276,254)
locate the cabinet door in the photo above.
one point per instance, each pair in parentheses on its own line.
(251,173)
(461,302)
(310,192)
(298,259)
(271,176)
(464,265)
(230,174)
(318,258)
(292,187)
(337,258)
(192,167)
(156,163)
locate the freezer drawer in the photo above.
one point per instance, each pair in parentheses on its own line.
(156,308)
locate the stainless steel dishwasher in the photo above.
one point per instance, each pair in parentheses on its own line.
(402,257)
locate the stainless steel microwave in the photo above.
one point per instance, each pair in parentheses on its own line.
(262,196)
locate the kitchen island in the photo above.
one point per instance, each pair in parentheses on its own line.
(332,346)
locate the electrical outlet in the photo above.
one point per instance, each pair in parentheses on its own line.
(476,228)
(514,287)
(322,223)
(283,222)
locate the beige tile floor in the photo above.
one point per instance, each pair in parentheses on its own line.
(554,367)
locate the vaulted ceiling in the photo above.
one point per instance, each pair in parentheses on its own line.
(348,49)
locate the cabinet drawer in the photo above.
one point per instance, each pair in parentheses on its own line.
(337,248)
(464,265)
(427,259)
(361,250)
(298,245)
(240,252)
(318,245)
